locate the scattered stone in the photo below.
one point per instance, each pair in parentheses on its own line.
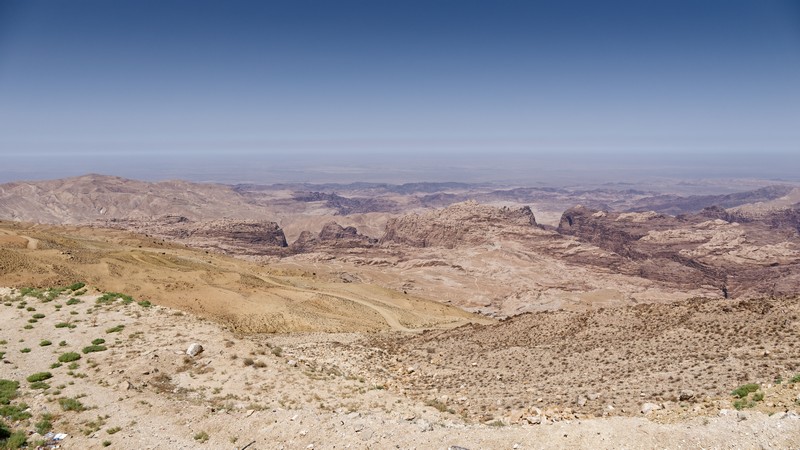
(778,415)
(686,395)
(424,425)
(366,434)
(456,447)
(581,400)
(194,350)
(534,420)
(411,369)
(649,407)
(593,396)
(292,363)
(126,385)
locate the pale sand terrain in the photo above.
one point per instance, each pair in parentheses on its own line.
(159,398)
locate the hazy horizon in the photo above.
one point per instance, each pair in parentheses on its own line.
(518,91)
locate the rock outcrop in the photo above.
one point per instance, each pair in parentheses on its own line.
(251,234)
(467,223)
(332,235)
(746,257)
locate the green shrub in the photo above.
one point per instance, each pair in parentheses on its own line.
(98,341)
(111,297)
(45,424)
(145,304)
(45,343)
(15,439)
(795,379)
(62,344)
(65,325)
(8,391)
(758,396)
(201,437)
(115,329)
(69,357)
(38,316)
(71,404)
(745,389)
(73,301)
(94,348)
(743,403)
(113,430)
(76,286)
(15,412)
(25,350)
(39,385)
(39,376)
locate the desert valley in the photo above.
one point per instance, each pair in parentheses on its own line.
(424,315)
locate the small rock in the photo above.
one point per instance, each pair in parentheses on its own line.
(792,415)
(424,425)
(126,385)
(741,415)
(249,412)
(648,407)
(292,363)
(366,434)
(778,415)
(516,446)
(409,417)
(534,420)
(456,447)
(303,432)
(593,396)
(686,395)
(294,417)
(411,369)
(581,400)
(194,350)
(723,412)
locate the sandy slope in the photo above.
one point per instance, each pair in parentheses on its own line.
(159,398)
(247,296)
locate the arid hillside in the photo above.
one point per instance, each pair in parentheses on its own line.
(246,296)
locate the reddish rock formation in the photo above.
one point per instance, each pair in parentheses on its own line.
(466,223)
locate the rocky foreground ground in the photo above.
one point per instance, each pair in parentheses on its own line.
(139,388)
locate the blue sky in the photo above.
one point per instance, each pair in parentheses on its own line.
(80,79)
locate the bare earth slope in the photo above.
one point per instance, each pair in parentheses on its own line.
(322,391)
(686,356)
(244,295)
